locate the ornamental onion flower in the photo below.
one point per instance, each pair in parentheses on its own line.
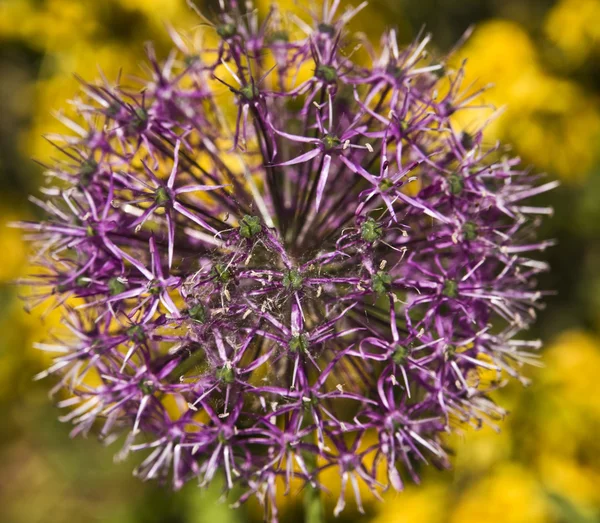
(268,254)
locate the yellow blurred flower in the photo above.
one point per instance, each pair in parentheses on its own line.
(425,503)
(571,480)
(72,37)
(551,122)
(52,92)
(509,494)
(574,26)
(573,368)
(12,248)
(567,441)
(163,10)
(54,25)
(479,450)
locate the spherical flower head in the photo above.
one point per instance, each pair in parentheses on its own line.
(271,277)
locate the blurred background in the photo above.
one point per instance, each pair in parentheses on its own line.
(544,58)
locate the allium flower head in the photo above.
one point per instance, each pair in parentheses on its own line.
(274,260)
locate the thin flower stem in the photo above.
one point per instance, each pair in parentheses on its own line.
(311,499)
(313,505)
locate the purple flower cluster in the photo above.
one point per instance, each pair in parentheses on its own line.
(274,259)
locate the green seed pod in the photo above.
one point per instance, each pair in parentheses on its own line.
(299,343)
(326,73)
(225,374)
(381,282)
(161,196)
(250,226)
(227,31)
(455,184)
(400,355)
(249,92)
(450,289)
(331,141)
(115,286)
(198,313)
(293,279)
(221,273)
(469,231)
(370,230)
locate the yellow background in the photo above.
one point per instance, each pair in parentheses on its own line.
(544,466)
